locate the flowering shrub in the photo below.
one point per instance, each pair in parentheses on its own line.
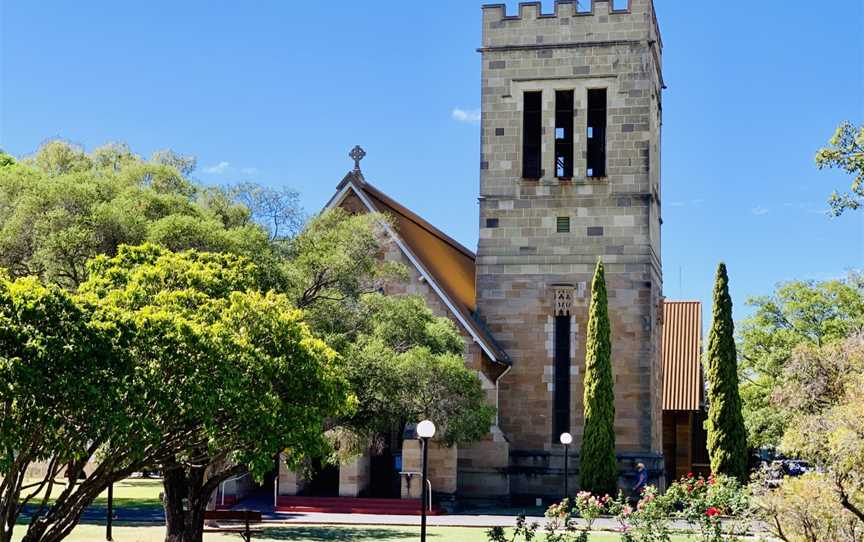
(718,508)
(705,502)
(650,521)
(562,525)
(622,511)
(590,506)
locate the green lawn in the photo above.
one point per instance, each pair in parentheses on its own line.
(305,533)
(134,493)
(129,493)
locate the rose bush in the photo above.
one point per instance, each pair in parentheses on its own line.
(717,508)
(705,502)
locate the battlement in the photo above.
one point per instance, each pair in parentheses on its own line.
(571,20)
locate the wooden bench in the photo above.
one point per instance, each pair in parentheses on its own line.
(245,516)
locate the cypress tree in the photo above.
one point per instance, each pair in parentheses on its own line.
(727,437)
(598,467)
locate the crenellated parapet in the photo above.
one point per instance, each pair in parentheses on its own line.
(573,21)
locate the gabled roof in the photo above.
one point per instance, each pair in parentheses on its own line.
(446,265)
(682,355)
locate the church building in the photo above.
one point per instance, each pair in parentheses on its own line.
(569,173)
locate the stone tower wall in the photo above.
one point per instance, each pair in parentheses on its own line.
(522,259)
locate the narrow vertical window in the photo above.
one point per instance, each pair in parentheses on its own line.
(596,163)
(532,134)
(564,134)
(562,375)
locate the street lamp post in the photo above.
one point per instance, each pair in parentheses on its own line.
(425,431)
(566,440)
(110,519)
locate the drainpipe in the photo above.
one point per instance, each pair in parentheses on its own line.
(497,393)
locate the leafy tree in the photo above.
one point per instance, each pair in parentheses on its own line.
(61,401)
(277,209)
(336,259)
(797,313)
(821,389)
(598,469)
(58,157)
(184,164)
(807,509)
(727,437)
(241,376)
(6,159)
(846,152)
(61,206)
(405,365)
(403,362)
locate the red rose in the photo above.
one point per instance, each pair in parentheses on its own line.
(711,512)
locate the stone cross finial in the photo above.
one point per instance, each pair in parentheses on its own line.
(357,154)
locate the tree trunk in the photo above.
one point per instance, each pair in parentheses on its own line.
(187,492)
(185,504)
(174,483)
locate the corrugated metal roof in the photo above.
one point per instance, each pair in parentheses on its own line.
(682,353)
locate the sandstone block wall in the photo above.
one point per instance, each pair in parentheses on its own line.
(617,218)
(442,468)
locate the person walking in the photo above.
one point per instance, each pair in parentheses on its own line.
(641,482)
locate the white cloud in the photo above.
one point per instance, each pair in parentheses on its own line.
(226,168)
(470,116)
(219,168)
(681,203)
(760,211)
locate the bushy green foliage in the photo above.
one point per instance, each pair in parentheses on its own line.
(406,365)
(61,395)
(727,437)
(218,366)
(62,206)
(846,152)
(334,261)
(194,311)
(598,468)
(797,314)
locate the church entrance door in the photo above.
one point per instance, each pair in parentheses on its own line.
(385,467)
(324,481)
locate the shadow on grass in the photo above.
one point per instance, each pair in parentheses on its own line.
(341,534)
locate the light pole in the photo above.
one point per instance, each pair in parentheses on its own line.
(110,519)
(425,431)
(566,440)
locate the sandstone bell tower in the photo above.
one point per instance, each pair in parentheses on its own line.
(570,172)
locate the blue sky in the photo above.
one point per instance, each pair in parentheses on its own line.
(278,92)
